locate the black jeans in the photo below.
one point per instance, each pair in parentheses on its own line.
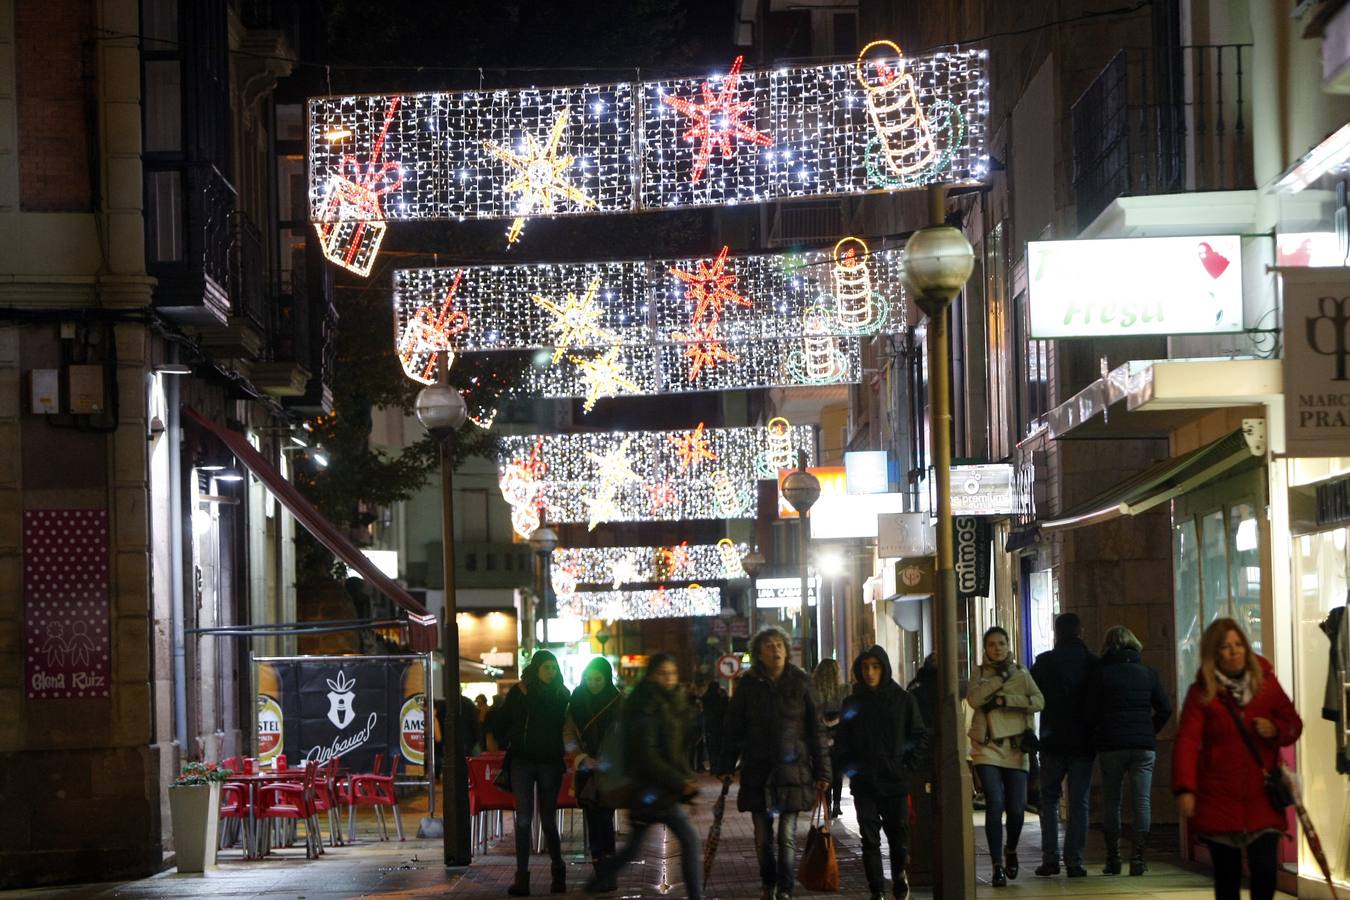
(1004,790)
(599,830)
(1262,861)
(875,815)
(526,776)
(776,868)
(691,852)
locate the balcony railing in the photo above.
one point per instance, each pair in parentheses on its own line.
(1163,123)
(247,293)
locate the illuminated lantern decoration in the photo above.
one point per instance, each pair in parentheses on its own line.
(905,136)
(780,443)
(852,284)
(731,558)
(525,520)
(724,493)
(820,360)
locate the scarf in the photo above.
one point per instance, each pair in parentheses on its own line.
(1240,688)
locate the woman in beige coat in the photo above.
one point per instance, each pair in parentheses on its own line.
(1004,696)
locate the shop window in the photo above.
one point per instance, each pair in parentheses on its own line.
(1244,576)
(1186,591)
(1214,565)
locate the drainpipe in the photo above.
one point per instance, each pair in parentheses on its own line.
(174,435)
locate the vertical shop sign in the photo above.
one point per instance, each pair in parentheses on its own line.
(66,615)
(973,543)
(1317,361)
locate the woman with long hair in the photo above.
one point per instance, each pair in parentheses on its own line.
(595,708)
(830,692)
(1235,712)
(1004,696)
(531,721)
(1126,708)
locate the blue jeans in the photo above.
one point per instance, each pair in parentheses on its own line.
(1005,790)
(691,852)
(1116,764)
(1054,768)
(776,869)
(547,777)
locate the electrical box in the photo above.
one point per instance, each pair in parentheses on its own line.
(86,389)
(45,391)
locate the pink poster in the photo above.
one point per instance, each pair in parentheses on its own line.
(66,614)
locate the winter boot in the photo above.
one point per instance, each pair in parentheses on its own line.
(604,881)
(900,889)
(1000,877)
(520,887)
(1137,864)
(1010,863)
(1112,866)
(559,885)
(1046,869)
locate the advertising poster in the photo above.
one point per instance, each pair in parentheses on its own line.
(973,544)
(1316,361)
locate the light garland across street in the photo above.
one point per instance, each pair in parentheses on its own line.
(618,566)
(882,122)
(661,603)
(637,476)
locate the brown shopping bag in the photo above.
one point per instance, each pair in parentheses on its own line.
(819,868)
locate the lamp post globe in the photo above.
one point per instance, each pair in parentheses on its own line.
(441,410)
(753,562)
(802,490)
(938,261)
(544,540)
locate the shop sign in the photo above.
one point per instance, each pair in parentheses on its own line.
(866,472)
(1125,287)
(784,593)
(851,515)
(984,490)
(905,534)
(974,540)
(633,661)
(915,575)
(1317,361)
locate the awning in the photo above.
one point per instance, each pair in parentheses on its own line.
(421,624)
(1158,484)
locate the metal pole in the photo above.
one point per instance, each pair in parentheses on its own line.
(956,875)
(804,529)
(545,578)
(454,785)
(429,735)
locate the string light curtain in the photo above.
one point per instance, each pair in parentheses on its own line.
(882,122)
(640,476)
(662,603)
(618,566)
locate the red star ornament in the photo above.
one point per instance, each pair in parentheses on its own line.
(692,448)
(710,288)
(716,122)
(661,495)
(704,349)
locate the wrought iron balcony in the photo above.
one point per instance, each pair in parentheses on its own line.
(1163,123)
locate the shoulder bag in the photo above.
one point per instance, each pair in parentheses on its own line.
(1278,792)
(819,868)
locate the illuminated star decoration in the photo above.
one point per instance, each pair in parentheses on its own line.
(577,322)
(703,349)
(605,376)
(612,469)
(542,179)
(710,287)
(716,122)
(625,571)
(692,447)
(661,495)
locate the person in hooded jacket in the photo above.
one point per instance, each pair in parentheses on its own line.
(880,737)
(531,722)
(1220,787)
(657,719)
(774,730)
(1126,709)
(1062,674)
(1004,696)
(595,707)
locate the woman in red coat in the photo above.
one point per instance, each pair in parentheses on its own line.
(1218,784)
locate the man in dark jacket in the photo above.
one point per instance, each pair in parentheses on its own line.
(774,729)
(1062,674)
(714,713)
(881,736)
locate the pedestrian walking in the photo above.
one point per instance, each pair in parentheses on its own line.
(595,707)
(1219,785)
(1127,707)
(714,716)
(531,721)
(1065,750)
(774,730)
(656,720)
(1004,696)
(830,693)
(880,740)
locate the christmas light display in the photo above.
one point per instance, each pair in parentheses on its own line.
(604,376)
(576,323)
(521,483)
(778,455)
(426,334)
(858,307)
(885,121)
(662,603)
(622,476)
(348,215)
(693,448)
(617,566)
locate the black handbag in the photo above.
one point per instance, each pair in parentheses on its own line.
(1030,742)
(1278,791)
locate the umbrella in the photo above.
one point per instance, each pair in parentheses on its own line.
(714,833)
(1309,832)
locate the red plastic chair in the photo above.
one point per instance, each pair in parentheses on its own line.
(234,813)
(486,800)
(377,791)
(294,802)
(326,798)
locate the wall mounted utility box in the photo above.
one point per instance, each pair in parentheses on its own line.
(44,389)
(86,389)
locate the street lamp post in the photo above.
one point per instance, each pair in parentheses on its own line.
(802,490)
(542,542)
(753,563)
(441,411)
(938,260)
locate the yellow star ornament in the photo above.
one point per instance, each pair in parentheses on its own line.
(576,322)
(605,377)
(541,179)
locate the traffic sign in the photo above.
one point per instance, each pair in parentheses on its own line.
(728,665)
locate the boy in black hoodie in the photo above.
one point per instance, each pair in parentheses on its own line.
(881,736)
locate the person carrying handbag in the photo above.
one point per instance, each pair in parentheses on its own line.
(595,707)
(1226,765)
(1004,697)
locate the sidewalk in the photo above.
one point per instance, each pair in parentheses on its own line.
(414,869)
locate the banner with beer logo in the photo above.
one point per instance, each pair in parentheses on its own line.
(350,708)
(1316,361)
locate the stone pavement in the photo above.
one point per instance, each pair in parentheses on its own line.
(413,869)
